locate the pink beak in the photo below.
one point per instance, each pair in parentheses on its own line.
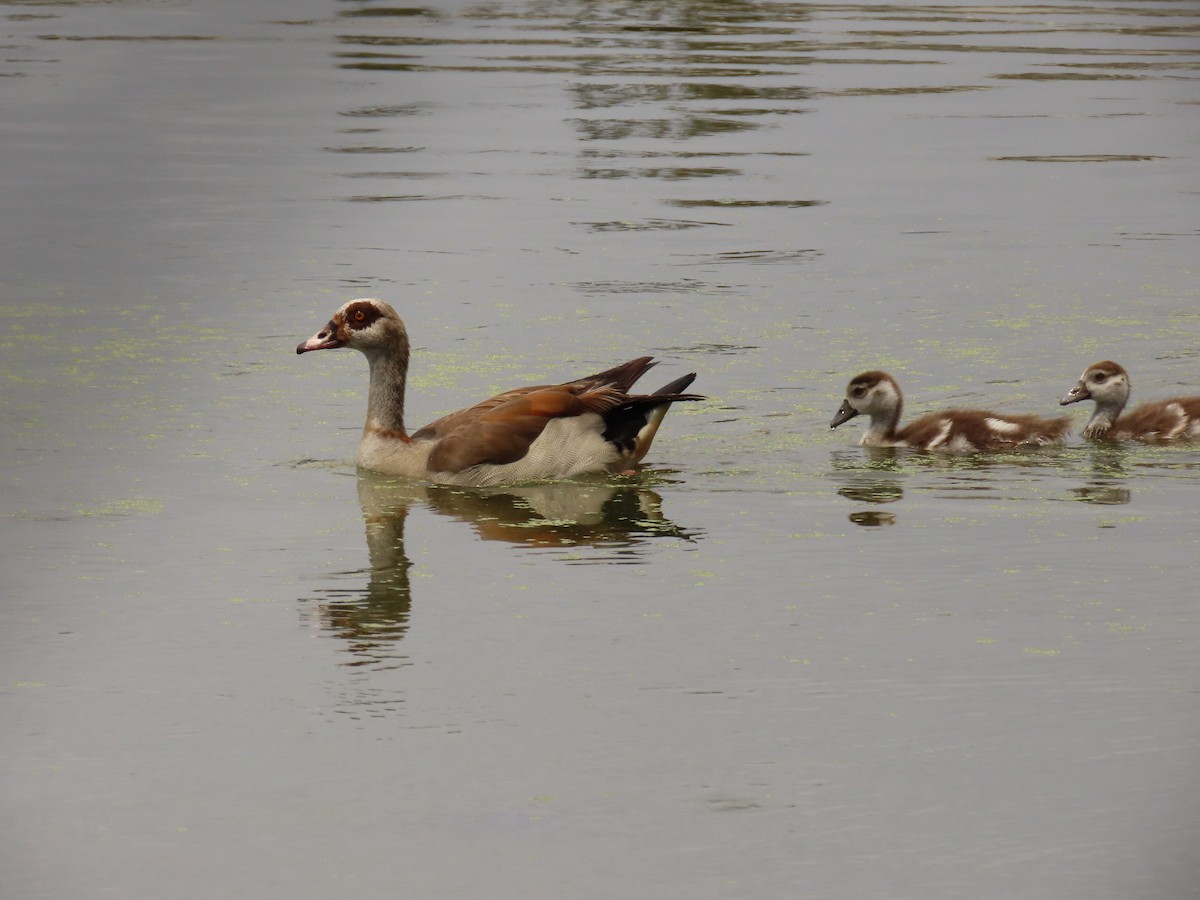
(325,339)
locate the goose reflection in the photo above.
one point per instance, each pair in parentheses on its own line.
(371,618)
(615,520)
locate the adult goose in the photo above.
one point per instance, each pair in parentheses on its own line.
(592,424)
(1108,384)
(876,394)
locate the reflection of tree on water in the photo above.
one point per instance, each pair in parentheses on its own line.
(615,519)
(660,83)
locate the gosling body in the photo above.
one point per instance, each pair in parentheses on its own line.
(1109,386)
(877,395)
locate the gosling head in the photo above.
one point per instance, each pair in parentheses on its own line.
(874,394)
(1106,382)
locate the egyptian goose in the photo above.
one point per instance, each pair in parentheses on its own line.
(877,395)
(1157,420)
(592,424)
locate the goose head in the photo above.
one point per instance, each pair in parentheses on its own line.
(367,325)
(874,394)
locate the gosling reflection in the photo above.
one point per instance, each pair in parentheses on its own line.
(873,490)
(872,518)
(615,520)
(872,476)
(1107,485)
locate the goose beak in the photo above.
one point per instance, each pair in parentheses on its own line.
(1075,394)
(325,339)
(845,413)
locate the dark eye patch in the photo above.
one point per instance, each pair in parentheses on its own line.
(361,315)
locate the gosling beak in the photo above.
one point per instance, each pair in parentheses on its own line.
(1075,394)
(325,339)
(845,413)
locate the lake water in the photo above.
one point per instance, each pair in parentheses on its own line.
(774,665)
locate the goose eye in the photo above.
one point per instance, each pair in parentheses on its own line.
(359,315)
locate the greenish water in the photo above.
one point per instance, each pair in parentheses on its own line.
(775,664)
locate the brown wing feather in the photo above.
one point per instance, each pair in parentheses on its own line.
(923,429)
(1157,417)
(620,377)
(439,428)
(503,433)
(972,425)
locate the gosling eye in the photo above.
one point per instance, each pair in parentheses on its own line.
(858,392)
(1099,378)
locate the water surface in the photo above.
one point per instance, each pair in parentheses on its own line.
(775,664)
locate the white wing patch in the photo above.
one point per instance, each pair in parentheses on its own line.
(1002,426)
(1181,420)
(940,437)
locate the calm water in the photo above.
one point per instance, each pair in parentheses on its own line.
(776,665)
